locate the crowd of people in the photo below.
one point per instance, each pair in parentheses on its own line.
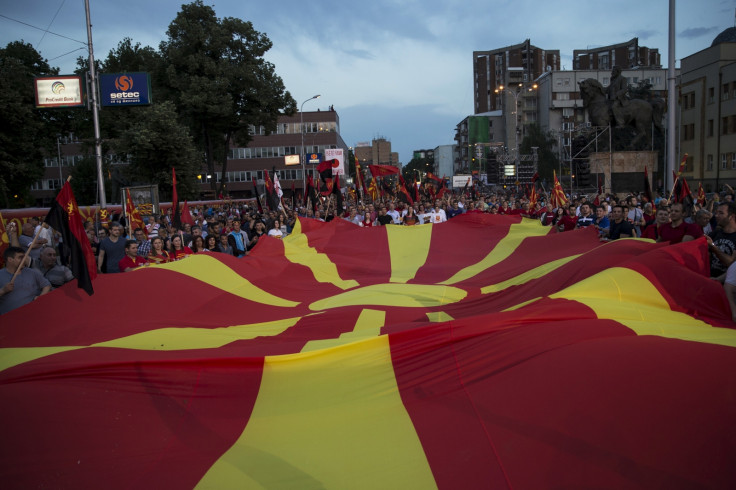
(235,229)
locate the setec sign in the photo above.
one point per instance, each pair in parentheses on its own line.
(125,89)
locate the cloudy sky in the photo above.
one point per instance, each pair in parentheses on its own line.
(399,70)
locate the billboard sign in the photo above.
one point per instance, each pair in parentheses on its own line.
(459,180)
(291,160)
(336,154)
(61,91)
(128,89)
(314,158)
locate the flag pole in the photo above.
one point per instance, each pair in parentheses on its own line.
(25,256)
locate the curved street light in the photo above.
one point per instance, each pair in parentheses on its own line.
(302,155)
(516,93)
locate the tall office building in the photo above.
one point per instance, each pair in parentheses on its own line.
(378,152)
(511,65)
(624,55)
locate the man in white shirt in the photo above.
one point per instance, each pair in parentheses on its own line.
(394,214)
(438,215)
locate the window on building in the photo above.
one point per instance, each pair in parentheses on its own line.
(725,91)
(711,95)
(710,127)
(724,125)
(733,161)
(709,163)
(692,100)
(724,161)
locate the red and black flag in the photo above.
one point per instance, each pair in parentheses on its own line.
(325,175)
(414,189)
(338,195)
(310,194)
(64,217)
(258,198)
(432,176)
(686,197)
(386,188)
(272,198)
(404,194)
(175,218)
(360,187)
(443,188)
(383,170)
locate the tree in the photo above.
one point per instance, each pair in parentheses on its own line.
(155,143)
(417,164)
(24,130)
(546,144)
(84,180)
(220,82)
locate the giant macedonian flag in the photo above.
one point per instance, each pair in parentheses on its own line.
(478,353)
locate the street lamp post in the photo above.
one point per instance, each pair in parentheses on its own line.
(516,94)
(302,155)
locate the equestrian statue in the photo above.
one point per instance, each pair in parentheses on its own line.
(611,105)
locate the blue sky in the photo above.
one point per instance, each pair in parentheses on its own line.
(399,70)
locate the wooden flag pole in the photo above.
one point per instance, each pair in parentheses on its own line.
(25,256)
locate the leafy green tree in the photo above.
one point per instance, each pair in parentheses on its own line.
(420,165)
(154,144)
(546,144)
(24,130)
(84,180)
(220,82)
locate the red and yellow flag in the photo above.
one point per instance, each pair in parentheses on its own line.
(381,356)
(558,197)
(373,190)
(701,194)
(134,217)
(683,164)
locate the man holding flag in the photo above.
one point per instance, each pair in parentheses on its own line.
(64,217)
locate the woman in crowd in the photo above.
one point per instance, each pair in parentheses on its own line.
(178,250)
(198,244)
(276,230)
(158,254)
(210,243)
(410,218)
(558,214)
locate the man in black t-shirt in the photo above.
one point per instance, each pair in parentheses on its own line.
(620,228)
(722,241)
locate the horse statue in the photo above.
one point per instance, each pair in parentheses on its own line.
(639,113)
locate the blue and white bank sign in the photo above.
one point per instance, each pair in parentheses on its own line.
(125,89)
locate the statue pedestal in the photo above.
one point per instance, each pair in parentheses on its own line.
(623,171)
